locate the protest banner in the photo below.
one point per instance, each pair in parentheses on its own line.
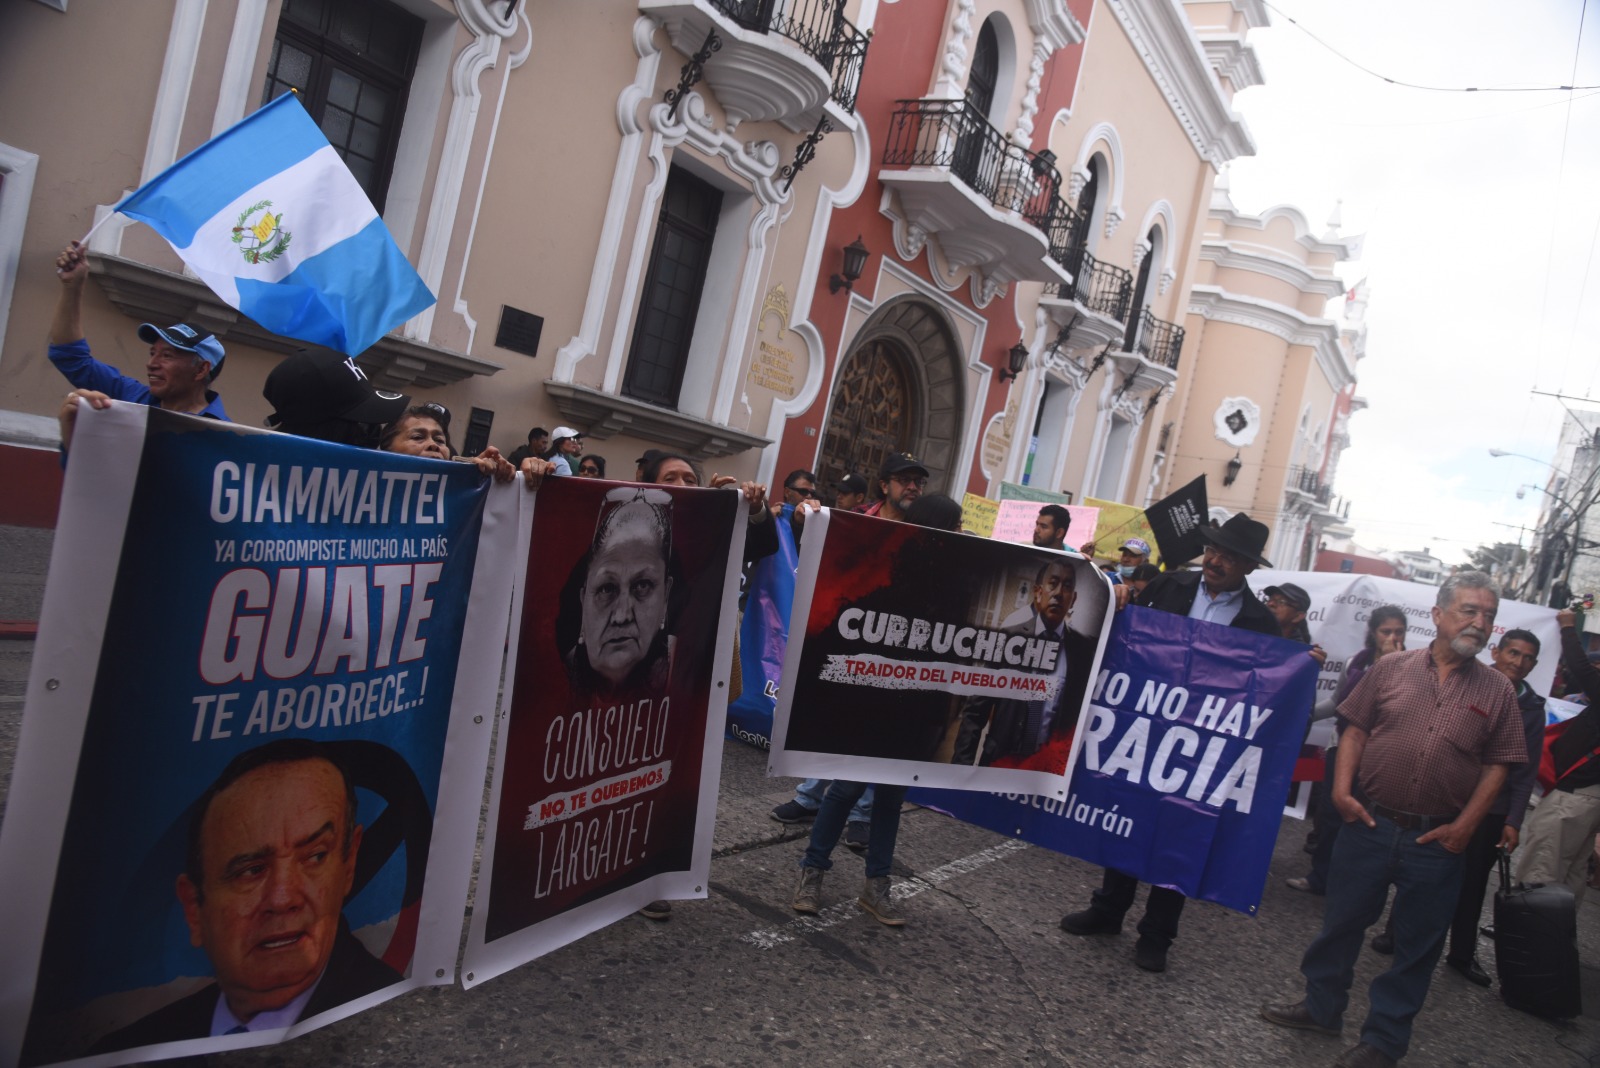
(763,636)
(1183,763)
(1341,603)
(1176,520)
(243,632)
(605,779)
(926,656)
(1015,520)
(1118,523)
(1016,491)
(978,514)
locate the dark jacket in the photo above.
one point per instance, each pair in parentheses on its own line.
(1175,592)
(1007,719)
(352,972)
(1513,800)
(1581,735)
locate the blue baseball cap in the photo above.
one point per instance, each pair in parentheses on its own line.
(182,336)
(1136,545)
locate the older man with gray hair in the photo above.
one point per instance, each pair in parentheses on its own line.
(1431,733)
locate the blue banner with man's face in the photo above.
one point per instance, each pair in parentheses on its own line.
(256,649)
(763,638)
(1182,764)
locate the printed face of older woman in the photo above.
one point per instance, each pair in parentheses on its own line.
(421,436)
(625,595)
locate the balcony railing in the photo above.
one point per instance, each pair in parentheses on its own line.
(947,133)
(1068,233)
(818,27)
(1309,482)
(1099,287)
(1158,340)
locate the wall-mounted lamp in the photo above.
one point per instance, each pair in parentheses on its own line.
(1017,358)
(855,261)
(1235,465)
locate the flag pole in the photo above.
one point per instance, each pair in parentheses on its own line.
(83,242)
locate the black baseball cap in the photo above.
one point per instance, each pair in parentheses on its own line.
(1293,595)
(851,484)
(316,386)
(900,462)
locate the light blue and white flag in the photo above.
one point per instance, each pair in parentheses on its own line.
(268,216)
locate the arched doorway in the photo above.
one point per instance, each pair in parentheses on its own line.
(899,389)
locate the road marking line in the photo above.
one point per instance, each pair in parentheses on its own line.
(768,937)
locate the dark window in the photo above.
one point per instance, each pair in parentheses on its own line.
(1141,293)
(985,72)
(351,62)
(519,330)
(671,297)
(477,437)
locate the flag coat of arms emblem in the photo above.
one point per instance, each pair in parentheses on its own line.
(269,216)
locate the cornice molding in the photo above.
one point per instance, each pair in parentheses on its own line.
(1233,59)
(1165,40)
(604,414)
(1256,260)
(1296,328)
(1344,248)
(1054,24)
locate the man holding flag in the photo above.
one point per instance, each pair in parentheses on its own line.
(183,362)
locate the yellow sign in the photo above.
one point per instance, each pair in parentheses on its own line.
(1118,523)
(978,515)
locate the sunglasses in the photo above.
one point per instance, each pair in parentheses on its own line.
(438,411)
(801,492)
(910,480)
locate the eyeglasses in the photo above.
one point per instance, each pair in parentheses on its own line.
(910,480)
(1224,556)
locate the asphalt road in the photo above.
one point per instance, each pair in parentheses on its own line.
(982,974)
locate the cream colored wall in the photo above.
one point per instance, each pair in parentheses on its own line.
(544,200)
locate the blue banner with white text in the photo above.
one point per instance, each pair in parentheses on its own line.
(263,748)
(1182,765)
(763,637)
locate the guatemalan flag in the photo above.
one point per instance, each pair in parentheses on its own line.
(268,215)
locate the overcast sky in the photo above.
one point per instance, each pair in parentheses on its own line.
(1481,213)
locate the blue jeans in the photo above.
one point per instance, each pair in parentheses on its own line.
(809,795)
(1427,882)
(829,825)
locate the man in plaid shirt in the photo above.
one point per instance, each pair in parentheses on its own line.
(1432,733)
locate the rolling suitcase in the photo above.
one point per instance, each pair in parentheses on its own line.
(1536,947)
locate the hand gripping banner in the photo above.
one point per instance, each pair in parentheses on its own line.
(252,754)
(1184,762)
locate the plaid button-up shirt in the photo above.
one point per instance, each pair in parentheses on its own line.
(1428,740)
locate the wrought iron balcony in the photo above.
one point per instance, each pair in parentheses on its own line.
(992,203)
(1158,341)
(1309,482)
(949,134)
(1098,287)
(818,27)
(771,59)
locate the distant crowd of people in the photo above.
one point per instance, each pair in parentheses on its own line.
(1433,772)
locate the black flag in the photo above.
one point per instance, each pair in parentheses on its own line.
(1176,520)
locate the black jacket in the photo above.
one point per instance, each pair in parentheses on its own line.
(352,972)
(1175,592)
(1007,719)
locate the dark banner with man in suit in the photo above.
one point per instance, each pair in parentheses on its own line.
(934,657)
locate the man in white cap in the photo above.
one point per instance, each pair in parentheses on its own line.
(567,444)
(184,359)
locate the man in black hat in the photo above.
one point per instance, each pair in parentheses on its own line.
(900,480)
(322,395)
(184,360)
(852,493)
(1216,593)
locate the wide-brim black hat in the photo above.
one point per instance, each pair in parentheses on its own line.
(1240,535)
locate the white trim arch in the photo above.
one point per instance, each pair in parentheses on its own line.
(1101,134)
(1007,45)
(1160,212)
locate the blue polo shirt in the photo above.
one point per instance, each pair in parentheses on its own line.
(85,372)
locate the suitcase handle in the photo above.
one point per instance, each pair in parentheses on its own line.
(1503,859)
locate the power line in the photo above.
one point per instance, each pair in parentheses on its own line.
(1428,88)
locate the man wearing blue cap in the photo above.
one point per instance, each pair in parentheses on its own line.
(184,360)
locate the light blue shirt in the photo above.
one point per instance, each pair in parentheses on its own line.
(1220,609)
(224,1022)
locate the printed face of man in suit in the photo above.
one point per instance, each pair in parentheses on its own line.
(1054,593)
(276,867)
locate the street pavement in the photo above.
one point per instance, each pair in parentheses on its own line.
(982,974)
